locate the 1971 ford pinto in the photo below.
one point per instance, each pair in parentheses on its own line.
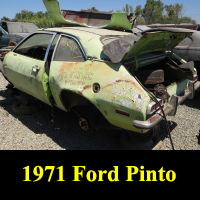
(132,80)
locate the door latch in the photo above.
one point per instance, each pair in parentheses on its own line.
(35,70)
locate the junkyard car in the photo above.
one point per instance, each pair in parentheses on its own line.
(189,49)
(4,41)
(11,33)
(4,38)
(132,80)
(17,30)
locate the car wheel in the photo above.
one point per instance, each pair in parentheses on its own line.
(87,118)
(84,124)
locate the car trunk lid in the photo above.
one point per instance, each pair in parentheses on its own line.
(152,42)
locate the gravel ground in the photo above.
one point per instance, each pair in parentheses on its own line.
(38,132)
(185,127)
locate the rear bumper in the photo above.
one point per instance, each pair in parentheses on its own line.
(169,110)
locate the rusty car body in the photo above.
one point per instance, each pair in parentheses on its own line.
(132,80)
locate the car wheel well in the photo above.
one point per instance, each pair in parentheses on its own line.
(71,99)
(83,108)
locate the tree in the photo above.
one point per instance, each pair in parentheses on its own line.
(138,14)
(174,12)
(188,20)
(178,10)
(128,9)
(92,9)
(24,15)
(41,19)
(4,18)
(138,11)
(153,11)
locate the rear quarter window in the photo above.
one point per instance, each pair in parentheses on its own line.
(68,50)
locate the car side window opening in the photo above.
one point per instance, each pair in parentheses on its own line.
(35,46)
(68,50)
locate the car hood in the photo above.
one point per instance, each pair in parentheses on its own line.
(126,48)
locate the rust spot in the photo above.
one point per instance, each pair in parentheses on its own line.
(66,67)
(153,118)
(125,81)
(119,81)
(109,85)
(122,113)
(85,88)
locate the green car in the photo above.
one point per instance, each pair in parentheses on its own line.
(131,80)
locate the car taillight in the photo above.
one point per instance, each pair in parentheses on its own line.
(153,106)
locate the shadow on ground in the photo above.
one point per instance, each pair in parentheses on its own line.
(194,103)
(64,131)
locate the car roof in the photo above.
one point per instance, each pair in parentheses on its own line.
(89,37)
(78,31)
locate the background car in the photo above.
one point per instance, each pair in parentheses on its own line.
(17,30)
(189,49)
(4,38)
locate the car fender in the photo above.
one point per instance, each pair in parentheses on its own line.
(120,98)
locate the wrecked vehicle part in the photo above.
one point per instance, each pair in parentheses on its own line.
(158,117)
(137,45)
(54,11)
(189,48)
(117,47)
(78,75)
(149,77)
(148,56)
(22,28)
(17,31)
(119,21)
(4,38)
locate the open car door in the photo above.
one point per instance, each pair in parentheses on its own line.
(25,67)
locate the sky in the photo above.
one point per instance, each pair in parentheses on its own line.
(10,7)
